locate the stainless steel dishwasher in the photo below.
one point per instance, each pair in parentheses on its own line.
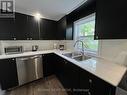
(29,68)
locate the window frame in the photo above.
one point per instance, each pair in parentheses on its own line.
(86,19)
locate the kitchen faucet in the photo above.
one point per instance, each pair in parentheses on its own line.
(82,45)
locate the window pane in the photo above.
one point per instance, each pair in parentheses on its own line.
(91,43)
(85,31)
(87,28)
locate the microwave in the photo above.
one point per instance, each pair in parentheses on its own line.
(13,49)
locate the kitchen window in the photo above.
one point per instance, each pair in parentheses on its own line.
(84,30)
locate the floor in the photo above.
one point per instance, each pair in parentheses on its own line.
(48,86)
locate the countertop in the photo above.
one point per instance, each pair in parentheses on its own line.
(106,70)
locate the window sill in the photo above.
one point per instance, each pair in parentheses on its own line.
(91,53)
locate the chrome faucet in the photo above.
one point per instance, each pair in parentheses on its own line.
(82,45)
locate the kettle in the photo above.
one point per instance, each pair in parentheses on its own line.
(34,47)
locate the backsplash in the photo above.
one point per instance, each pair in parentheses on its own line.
(43,44)
(27,45)
(114,50)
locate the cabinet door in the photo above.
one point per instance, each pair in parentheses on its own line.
(71,77)
(69,28)
(111,19)
(59,68)
(85,82)
(61,26)
(8,73)
(100,87)
(7,27)
(21,26)
(48,67)
(92,85)
(48,29)
(68,74)
(65,28)
(32,28)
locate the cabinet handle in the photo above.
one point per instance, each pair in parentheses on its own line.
(27,38)
(89,93)
(14,38)
(13,59)
(65,61)
(90,81)
(96,37)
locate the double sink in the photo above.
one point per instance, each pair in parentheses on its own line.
(77,56)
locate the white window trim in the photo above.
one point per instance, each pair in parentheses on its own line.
(80,21)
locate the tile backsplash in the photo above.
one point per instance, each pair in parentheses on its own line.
(43,44)
(27,45)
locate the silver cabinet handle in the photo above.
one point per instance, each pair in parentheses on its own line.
(90,81)
(24,59)
(35,57)
(14,38)
(89,93)
(27,38)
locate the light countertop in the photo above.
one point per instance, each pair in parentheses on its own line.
(106,70)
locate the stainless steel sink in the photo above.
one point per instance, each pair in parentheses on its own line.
(72,54)
(81,58)
(77,56)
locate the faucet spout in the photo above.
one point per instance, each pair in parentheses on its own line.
(82,45)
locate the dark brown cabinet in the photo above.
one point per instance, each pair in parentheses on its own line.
(48,29)
(65,29)
(25,27)
(111,19)
(67,73)
(32,29)
(61,28)
(8,73)
(92,85)
(7,27)
(20,26)
(48,64)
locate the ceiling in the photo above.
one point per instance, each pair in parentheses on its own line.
(50,9)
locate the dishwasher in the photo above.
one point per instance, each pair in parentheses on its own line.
(29,68)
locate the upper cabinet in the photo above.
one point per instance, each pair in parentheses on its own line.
(20,26)
(32,29)
(61,28)
(7,27)
(48,29)
(25,27)
(66,24)
(111,19)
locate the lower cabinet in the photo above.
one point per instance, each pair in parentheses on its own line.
(48,66)
(77,81)
(8,73)
(92,85)
(68,74)
(100,87)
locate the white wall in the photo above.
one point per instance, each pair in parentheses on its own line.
(113,49)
